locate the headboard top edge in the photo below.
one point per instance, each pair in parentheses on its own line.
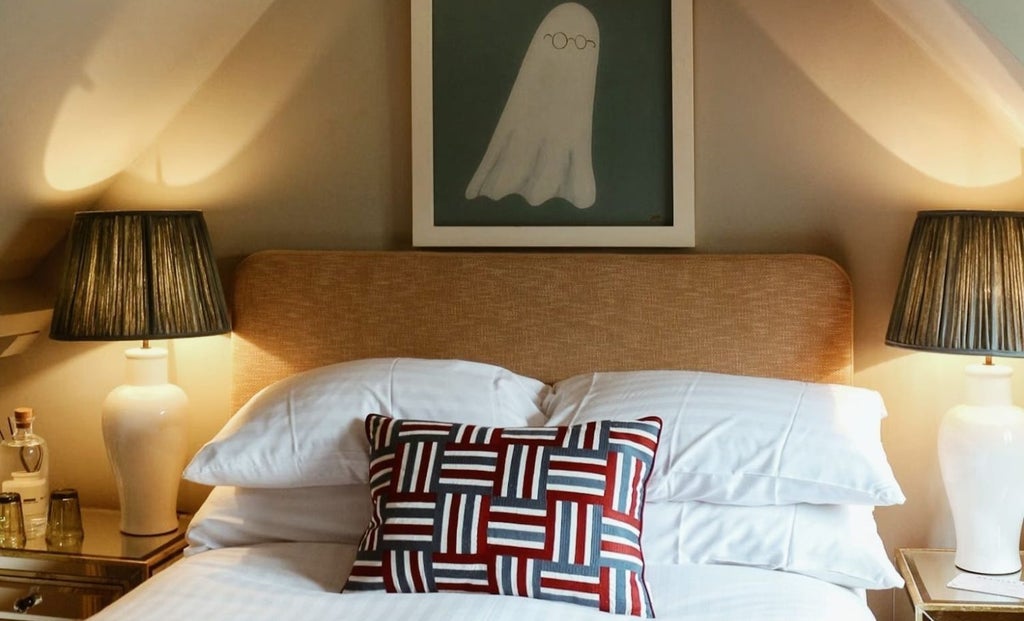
(296,309)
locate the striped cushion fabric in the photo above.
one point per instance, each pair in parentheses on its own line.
(545,512)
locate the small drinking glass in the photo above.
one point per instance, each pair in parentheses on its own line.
(64,521)
(12,521)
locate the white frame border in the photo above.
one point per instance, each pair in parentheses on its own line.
(680,234)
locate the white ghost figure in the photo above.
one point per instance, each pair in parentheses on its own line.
(541,147)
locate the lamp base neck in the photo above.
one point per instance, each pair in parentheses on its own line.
(146,366)
(988,385)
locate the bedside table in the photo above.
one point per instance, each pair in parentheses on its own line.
(75,585)
(927,572)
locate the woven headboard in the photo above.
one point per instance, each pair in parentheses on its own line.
(548,316)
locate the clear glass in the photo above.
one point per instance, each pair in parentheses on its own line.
(24,469)
(64,521)
(12,525)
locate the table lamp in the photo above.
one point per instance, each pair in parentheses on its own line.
(962,292)
(142,275)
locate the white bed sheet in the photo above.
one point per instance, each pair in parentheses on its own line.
(299,581)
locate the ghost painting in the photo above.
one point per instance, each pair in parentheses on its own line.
(541,147)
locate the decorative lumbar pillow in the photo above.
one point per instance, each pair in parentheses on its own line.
(745,440)
(546,512)
(307,430)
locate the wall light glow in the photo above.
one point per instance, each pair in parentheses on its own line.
(149,63)
(975,56)
(887,84)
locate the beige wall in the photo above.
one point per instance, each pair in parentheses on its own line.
(820,127)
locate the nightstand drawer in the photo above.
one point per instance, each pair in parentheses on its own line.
(61,599)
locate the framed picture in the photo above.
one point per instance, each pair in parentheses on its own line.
(550,123)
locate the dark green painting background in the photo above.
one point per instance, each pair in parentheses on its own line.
(477,51)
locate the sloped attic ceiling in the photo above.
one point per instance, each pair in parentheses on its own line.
(980,42)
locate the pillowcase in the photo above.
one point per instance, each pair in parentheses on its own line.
(306,430)
(745,440)
(241,516)
(835,543)
(551,513)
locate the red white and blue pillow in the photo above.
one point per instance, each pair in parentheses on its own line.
(552,513)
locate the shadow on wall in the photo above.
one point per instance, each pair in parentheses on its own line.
(889,86)
(300,139)
(149,61)
(254,81)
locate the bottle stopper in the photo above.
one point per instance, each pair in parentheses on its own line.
(23,416)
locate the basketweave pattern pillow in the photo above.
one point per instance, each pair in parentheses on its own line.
(545,512)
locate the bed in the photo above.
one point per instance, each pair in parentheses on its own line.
(698,352)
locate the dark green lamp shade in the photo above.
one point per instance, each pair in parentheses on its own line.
(962,289)
(134,275)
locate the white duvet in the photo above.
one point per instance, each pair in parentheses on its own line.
(299,581)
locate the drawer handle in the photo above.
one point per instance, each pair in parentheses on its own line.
(25,603)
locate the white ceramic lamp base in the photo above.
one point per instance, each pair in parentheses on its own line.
(145,434)
(981,455)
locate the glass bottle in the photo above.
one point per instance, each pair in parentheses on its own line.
(25,469)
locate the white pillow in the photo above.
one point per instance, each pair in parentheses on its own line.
(307,430)
(744,440)
(239,516)
(835,543)
(838,544)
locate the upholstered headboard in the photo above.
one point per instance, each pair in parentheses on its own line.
(545,315)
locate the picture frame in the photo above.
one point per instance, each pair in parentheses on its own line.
(468,60)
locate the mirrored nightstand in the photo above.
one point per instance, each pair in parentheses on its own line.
(75,585)
(927,571)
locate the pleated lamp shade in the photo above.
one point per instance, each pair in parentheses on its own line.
(962,289)
(139,275)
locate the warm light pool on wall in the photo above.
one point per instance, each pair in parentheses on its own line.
(894,89)
(147,63)
(142,275)
(962,292)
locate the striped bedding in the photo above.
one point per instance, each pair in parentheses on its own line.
(301,581)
